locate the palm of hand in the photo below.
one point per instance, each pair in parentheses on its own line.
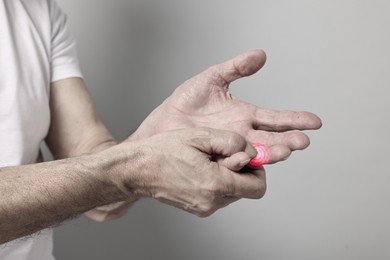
(207,104)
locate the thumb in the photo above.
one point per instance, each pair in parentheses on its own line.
(235,162)
(242,65)
(221,143)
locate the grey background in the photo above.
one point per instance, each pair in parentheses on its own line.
(329,57)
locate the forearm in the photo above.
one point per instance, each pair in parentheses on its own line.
(37,196)
(76,130)
(94,139)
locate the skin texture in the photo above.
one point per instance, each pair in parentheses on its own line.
(197,164)
(205,101)
(191,170)
(187,177)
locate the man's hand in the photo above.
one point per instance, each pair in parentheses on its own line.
(205,101)
(188,168)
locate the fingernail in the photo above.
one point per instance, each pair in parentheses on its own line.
(251,151)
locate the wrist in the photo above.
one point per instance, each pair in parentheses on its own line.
(122,167)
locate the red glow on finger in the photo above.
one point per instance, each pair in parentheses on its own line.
(260,158)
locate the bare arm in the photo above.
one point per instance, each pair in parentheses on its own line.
(98,173)
(37,196)
(76,129)
(40,195)
(203,101)
(75,126)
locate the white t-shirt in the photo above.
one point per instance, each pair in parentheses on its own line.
(35,50)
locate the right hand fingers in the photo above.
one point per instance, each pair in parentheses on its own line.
(232,185)
(251,185)
(191,179)
(219,142)
(237,152)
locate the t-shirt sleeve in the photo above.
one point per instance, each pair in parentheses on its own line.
(64,62)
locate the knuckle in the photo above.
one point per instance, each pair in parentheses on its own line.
(206,210)
(215,76)
(281,153)
(203,133)
(220,187)
(214,188)
(236,140)
(202,214)
(209,202)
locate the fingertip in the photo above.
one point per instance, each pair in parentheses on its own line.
(298,141)
(250,150)
(251,62)
(236,162)
(311,121)
(261,55)
(318,123)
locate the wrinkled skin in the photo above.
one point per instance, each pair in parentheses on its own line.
(205,101)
